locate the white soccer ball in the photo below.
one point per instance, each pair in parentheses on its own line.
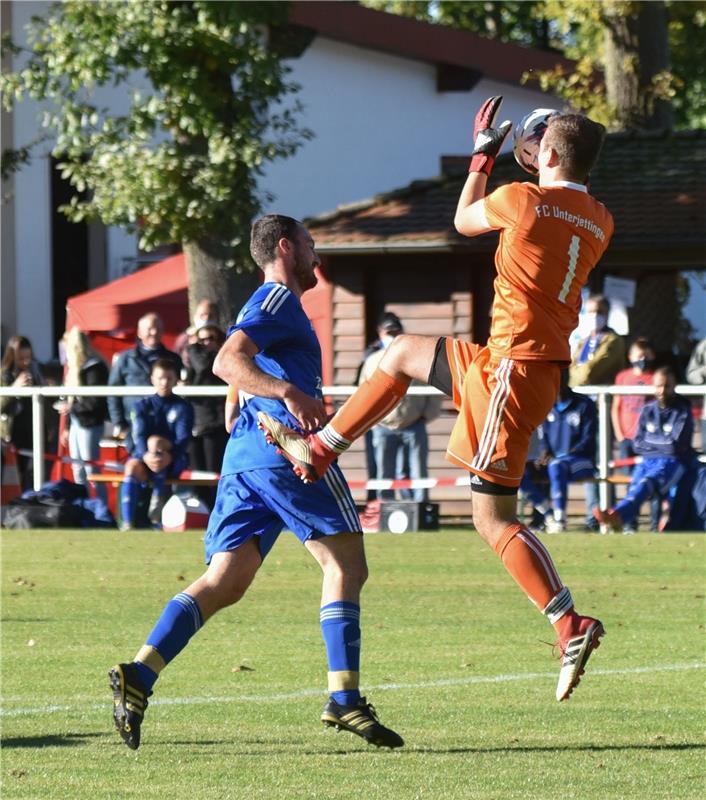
(527,136)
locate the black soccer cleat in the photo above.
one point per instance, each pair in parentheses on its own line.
(362,720)
(129,702)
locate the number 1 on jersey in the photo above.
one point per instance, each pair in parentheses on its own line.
(571,272)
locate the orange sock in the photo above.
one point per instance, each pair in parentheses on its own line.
(529,563)
(372,401)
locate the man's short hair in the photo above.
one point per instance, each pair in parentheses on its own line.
(643,343)
(165,364)
(577,141)
(390,323)
(601,300)
(666,372)
(265,234)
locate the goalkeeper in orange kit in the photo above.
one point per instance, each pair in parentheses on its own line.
(551,237)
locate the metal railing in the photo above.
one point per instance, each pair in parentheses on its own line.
(602,396)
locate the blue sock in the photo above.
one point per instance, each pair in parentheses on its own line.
(158,482)
(179,621)
(129,494)
(340,627)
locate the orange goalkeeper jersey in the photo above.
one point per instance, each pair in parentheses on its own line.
(551,238)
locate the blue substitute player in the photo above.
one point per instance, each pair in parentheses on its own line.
(160,433)
(567,442)
(663,439)
(273,356)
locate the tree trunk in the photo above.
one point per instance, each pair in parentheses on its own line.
(210,279)
(636,50)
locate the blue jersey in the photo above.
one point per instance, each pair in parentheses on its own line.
(171,417)
(665,431)
(570,428)
(273,318)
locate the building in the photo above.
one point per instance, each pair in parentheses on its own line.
(385,96)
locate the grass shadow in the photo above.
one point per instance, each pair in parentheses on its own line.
(48,740)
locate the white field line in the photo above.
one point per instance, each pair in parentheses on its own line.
(302,693)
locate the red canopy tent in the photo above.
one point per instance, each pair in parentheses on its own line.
(109,313)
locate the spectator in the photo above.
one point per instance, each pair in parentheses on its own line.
(597,360)
(161,432)
(86,416)
(133,368)
(663,439)
(567,441)
(389,325)
(601,354)
(19,369)
(696,374)
(404,428)
(206,313)
(209,438)
(625,409)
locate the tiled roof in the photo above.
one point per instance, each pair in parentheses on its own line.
(654,184)
(410,38)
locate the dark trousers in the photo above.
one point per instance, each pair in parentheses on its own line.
(206,453)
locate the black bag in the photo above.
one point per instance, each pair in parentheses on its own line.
(27,513)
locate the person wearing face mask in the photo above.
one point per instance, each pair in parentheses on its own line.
(567,443)
(663,439)
(601,354)
(625,409)
(400,441)
(597,360)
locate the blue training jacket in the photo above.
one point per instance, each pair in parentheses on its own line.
(665,431)
(571,430)
(171,417)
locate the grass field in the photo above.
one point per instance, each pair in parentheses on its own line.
(453,659)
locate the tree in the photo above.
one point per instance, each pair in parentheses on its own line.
(638,64)
(181,165)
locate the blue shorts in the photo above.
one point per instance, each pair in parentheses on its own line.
(262,502)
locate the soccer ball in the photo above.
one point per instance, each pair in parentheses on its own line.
(527,136)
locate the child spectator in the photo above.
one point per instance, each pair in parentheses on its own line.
(161,432)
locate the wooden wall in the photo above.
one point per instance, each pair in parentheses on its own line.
(434,295)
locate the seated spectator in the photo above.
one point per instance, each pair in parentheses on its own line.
(596,361)
(86,416)
(206,313)
(161,432)
(19,369)
(663,439)
(209,438)
(133,367)
(567,442)
(696,374)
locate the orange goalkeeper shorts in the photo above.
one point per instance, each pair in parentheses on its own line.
(500,403)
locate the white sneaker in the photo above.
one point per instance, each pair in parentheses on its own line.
(574,655)
(554,525)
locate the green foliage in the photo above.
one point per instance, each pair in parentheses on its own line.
(576,29)
(453,658)
(506,20)
(181,163)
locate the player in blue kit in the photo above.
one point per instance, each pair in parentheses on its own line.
(273,356)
